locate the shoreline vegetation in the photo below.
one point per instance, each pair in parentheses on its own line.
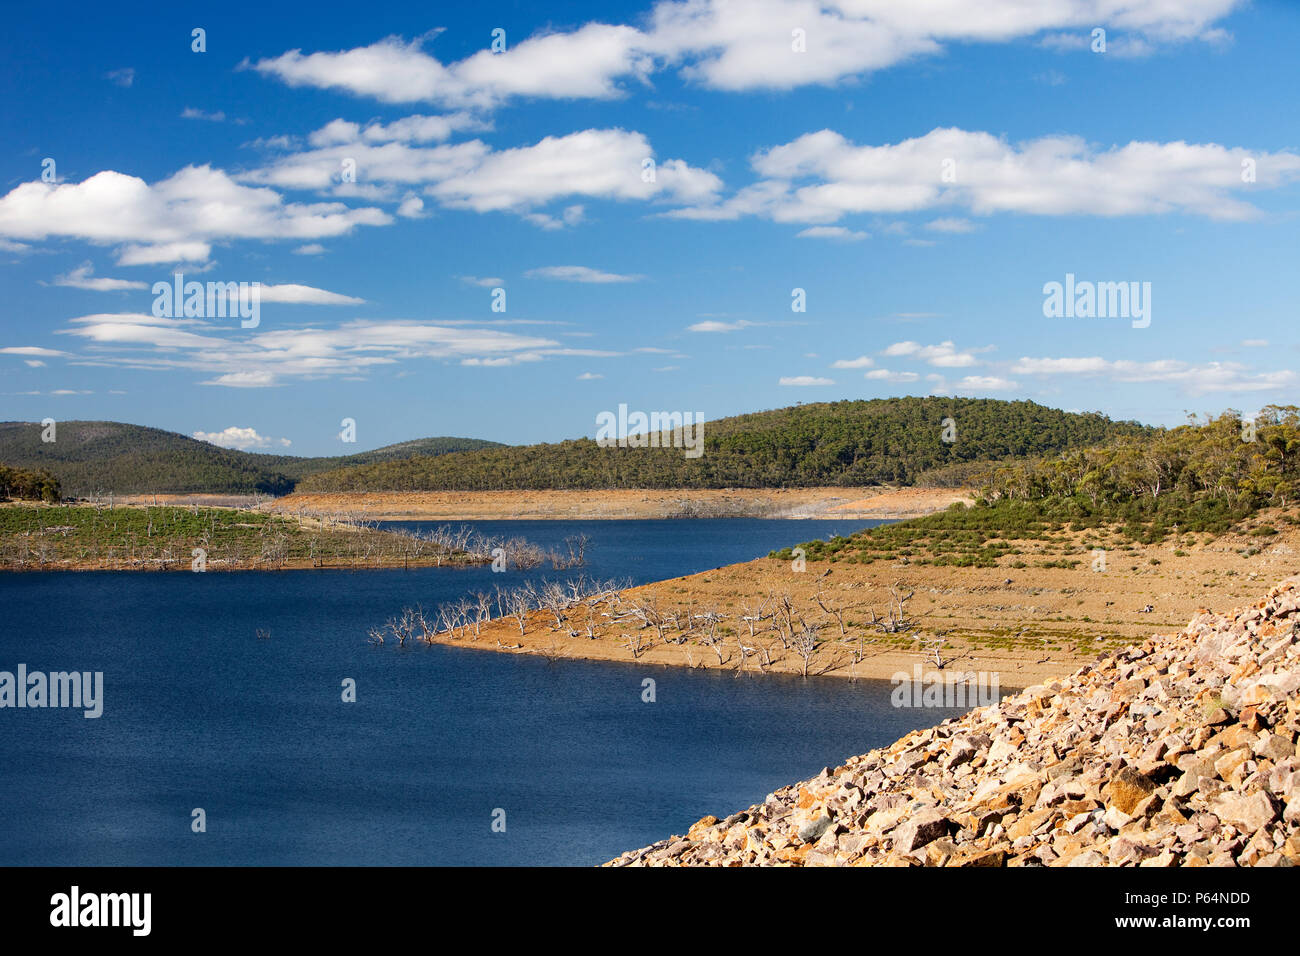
(1044,604)
(161,532)
(143,537)
(1057,560)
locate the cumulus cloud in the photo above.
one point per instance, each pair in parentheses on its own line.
(888,375)
(171,220)
(985,383)
(821,177)
(593,163)
(732,46)
(585,63)
(861,361)
(943,355)
(241,438)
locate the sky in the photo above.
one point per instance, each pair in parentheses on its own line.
(689,205)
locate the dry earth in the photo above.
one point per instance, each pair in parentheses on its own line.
(1177,751)
(630,503)
(1025,624)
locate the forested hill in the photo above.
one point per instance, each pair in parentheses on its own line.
(831,443)
(110,457)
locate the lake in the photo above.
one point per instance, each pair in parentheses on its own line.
(201,713)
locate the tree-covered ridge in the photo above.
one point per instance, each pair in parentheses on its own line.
(1200,478)
(90,458)
(28,485)
(847,443)
(1226,460)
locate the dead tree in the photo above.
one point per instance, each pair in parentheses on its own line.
(805,644)
(932,648)
(711,618)
(785,615)
(554,599)
(833,610)
(896,620)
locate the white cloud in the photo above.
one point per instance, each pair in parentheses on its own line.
(262,379)
(488,282)
(861,361)
(191,113)
(943,355)
(241,438)
(32,350)
(604,163)
(732,46)
(1195,379)
(833,232)
(164,253)
(985,383)
(311,249)
(593,163)
(579,274)
(1060,366)
(821,177)
(589,377)
(950,225)
(412,207)
(1254,343)
(805,380)
(304,295)
(585,63)
(124,77)
(886,375)
(713,325)
(234,358)
(80,278)
(174,219)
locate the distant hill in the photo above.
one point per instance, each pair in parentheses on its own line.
(104,457)
(896,440)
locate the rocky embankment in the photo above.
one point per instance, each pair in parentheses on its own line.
(1178,752)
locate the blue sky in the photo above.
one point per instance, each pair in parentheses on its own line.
(920,169)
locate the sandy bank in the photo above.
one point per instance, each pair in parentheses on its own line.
(1025,624)
(626,503)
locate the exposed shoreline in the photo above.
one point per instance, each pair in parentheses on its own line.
(1179,750)
(638,503)
(1023,624)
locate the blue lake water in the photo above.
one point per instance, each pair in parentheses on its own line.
(200,713)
